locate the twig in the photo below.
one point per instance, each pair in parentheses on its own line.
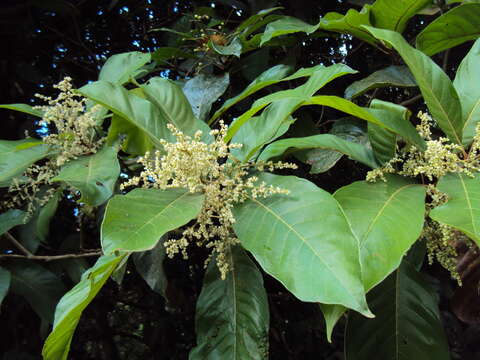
(445,60)
(52,257)
(411,100)
(18,245)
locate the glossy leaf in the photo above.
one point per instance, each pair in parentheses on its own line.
(203,90)
(379,117)
(437,89)
(394,14)
(5,279)
(174,107)
(149,265)
(383,141)
(292,239)
(27,109)
(284,26)
(17,155)
(120,68)
(397,76)
(462,210)
(291,99)
(323,141)
(453,28)
(407,324)
(135,140)
(350,23)
(93,175)
(72,304)
(232,318)
(10,219)
(466,84)
(136,221)
(268,77)
(132,108)
(40,287)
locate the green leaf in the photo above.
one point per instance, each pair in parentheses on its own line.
(149,265)
(136,141)
(120,68)
(407,323)
(27,109)
(268,77)
(322,160)
(437,89)
(247,25)
(397,76)
(466,84)
(136,221)
(284,26)
(44,215)
(323,141)
(234,48)
(383,141)
(379,117)
(174,107)
(462,210)
(162,54)
(203,90)
(17,155)
(10,219)
(232,318)
(394,14)
(5,278)
(139,112)
(386,218)
(40,287)
(350,23)
(72,304)
(94,175)
(453,28)
(303,240)
(290,100)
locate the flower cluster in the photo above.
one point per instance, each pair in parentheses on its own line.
(74,136)
(194,165)
(440,157)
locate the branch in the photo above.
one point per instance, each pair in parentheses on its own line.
(18,245)
(411,100)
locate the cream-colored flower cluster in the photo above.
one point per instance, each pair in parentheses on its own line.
(440,157)
(194,165)
(74,136)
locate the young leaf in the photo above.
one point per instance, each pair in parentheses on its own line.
(94,175)
(268,77)
(136,221)
(397,76)
(394,14)
(234,48)
(132,108)
(437,89)
(10,219)
(27,109)
(72,304)
(407,324)
(39,286)
(120,68)
(174,107)
(303,240)
(203,90)
(462,210)
(17,155)
(466,84)
(149,265)
(232,318)
(286,25)
(5,278)
(323,141)
(453,28)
